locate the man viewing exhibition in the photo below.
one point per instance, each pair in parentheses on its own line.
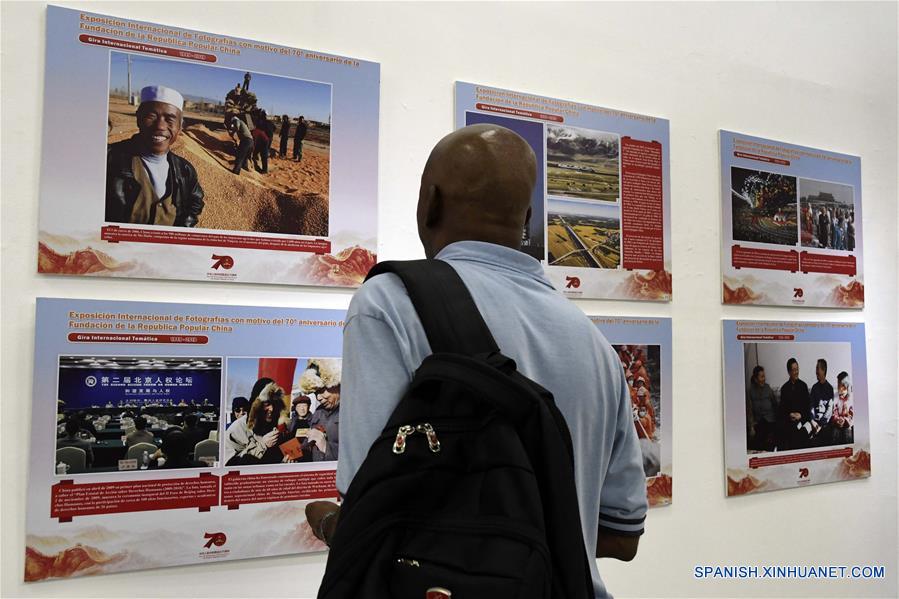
(147,183)
(474,203)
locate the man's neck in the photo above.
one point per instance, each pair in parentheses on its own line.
(157,158)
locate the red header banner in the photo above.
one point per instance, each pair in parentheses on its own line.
(761,158)
(530,114)
(109,42)
(136,338)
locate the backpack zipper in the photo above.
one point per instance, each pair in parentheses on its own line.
(446,425)
(405,561)
(425,428)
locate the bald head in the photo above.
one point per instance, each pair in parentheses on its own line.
(476,185)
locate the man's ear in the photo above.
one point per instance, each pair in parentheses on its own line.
(435,207)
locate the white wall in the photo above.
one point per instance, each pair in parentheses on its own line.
(817,74)
(773,358)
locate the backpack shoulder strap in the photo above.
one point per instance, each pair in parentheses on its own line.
(450,318)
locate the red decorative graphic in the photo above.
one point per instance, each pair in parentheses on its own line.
(658,490)
(239,489)
(226,262)
(811,456)
(856,466)
(68,500)
(642,202)
(797,292)
(803,473)
(572,282)
(116,234)
(850,296)
(530,114)
(80,559)
(747,484)
(108,42)
(348,268)
(654,285)
(215,538)
(743,257)
(740,295)
(80,262)
(827,263)
(136,338)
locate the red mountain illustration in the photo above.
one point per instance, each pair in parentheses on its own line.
(347,268)
(745,485)
(653,285)
(64,564)
(856,466)
(851,295)
(79,262)
(740,295)
(658,491)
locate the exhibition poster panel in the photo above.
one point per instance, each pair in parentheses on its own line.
(170,434)
(643,346)
(795,404)
(601,209)
(131,187)
(791,225)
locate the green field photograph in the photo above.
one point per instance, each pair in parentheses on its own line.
(582,164)
(583,234)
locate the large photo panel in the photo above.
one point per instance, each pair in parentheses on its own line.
(600,211)
(795,404)
(644,350)
(210,427)
(791,224)
(178,154)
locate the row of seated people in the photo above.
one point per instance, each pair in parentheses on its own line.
(197,442)
(136,429)
(97,422)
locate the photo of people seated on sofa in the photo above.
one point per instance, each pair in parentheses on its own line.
(137,413)
(783,411)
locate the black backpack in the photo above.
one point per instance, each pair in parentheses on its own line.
(469,491)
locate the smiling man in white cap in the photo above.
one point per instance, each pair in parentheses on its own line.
(146,183)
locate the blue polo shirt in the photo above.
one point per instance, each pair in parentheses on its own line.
(552,342)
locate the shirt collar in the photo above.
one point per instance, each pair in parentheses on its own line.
(496,256)
(155,158)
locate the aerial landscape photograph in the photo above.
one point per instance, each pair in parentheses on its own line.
(583,234)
